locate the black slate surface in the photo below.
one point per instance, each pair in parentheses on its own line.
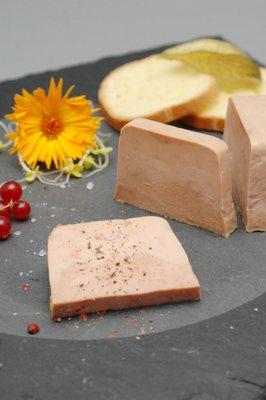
(222,357)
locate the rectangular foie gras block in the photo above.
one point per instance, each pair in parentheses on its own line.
(245,135)
(176,173)
(117,264)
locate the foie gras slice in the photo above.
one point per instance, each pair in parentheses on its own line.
(117,264)
(245,135)
(176,173)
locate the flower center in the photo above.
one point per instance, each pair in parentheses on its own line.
(51,126)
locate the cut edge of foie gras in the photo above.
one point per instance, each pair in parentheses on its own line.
(117,264)
(245,135)
(176,173)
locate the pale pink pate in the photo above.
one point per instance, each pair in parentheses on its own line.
(117,264)
(245,135)
(176,173)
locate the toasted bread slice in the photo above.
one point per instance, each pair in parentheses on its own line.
(212,115)
(155,88)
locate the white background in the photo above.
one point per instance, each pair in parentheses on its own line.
(37,35)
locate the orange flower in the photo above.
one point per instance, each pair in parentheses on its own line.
(52,128)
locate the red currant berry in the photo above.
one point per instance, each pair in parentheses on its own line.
(5,227)
(21,210)
(33,329)
(11,190)
(5,209)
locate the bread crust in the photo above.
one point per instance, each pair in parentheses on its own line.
(216,123)
(205,123)
(169,114)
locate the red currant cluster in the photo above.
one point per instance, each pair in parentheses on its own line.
(11,206)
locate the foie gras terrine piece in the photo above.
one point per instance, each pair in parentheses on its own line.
(176,173)
(245,135)
(117,264)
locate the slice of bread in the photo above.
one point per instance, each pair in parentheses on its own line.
(155,88)
(212,115)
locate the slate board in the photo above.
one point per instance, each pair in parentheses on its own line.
(214,349)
